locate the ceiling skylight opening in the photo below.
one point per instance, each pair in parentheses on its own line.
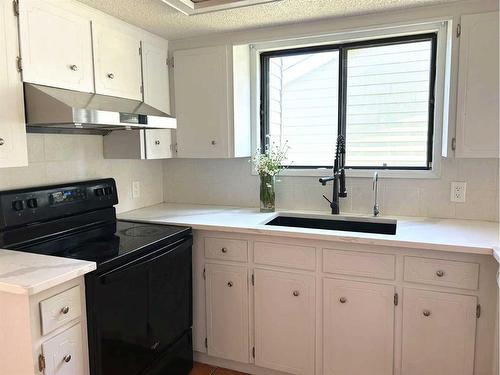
(193,7)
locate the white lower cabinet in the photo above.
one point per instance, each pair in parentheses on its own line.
(358,328)
(64,353)
(439,331)
(227,312)
(284,321)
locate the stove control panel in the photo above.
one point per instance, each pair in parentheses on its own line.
(25,206)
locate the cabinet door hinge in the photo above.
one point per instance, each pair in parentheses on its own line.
(19,64)
(41,363)
(253,352)
(253,279)
(459,30)
(396,299)
(478,311)
(453,144)
(204,274)
(206,342)
(15,5)
(170,62)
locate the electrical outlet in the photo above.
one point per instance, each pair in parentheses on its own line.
(458,190)
(136,189)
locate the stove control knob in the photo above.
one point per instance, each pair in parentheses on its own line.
(18,205)
(99,192)
(32,203)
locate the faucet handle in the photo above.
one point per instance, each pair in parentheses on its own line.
(329,201)
(375,180)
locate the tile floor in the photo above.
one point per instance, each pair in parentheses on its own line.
(203,369)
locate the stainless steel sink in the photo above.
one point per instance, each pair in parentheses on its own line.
(363,225)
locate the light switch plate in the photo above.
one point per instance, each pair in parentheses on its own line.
(458,190)
(136,189)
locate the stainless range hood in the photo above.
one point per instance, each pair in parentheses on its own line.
(54,110)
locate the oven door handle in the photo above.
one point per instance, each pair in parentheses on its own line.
(110,276)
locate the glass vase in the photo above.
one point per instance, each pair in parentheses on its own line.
(267,193)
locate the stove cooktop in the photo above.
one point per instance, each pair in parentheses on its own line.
(107,242)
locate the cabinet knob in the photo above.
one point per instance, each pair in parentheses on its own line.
(296,293)
(230,284)
(2,142)
(213,143)
(111,75)
(426,313)
(65,310)
(439,273)
(157,142)
(73,67)
(67,358)
(224,250)
(342,300)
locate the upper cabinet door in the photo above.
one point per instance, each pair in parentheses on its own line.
(202,102)
(155,76)
(13,150)
(477,106)
(56,46)
(117,63)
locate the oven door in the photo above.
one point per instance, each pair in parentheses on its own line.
(139,309)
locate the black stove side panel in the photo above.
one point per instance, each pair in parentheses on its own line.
(22,207)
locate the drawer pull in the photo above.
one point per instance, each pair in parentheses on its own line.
(2,141)
(426,313)
(230,284)
(73,67)
(67,358)
(65,310)
(157,142)
(439,273)
(111,75)
(342,300)
(224,250)
(296,293)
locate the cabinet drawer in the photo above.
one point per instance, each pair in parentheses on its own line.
(274,254)
(60,309)
(64,353)
(356,263)
(448,273)
(226,249)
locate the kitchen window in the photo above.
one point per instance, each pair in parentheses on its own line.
(378,93)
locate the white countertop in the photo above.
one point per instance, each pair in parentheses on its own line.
(465,236)
(27,273)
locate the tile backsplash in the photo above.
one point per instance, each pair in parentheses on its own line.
(64,158)
(230,182)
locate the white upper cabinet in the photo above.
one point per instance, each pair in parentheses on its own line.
(13,150)
(478,97)
(204,99)
(117,62)
(56,46)
(155,76)
(138,144)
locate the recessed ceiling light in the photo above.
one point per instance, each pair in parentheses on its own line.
(192,7)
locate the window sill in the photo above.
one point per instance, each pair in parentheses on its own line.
(362,173)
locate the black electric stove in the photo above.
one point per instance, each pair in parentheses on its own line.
(139,300)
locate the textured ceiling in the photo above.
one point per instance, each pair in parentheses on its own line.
(159,18)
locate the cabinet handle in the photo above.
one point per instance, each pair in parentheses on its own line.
(73,67)
(230,284)
(426,313)
(213,143)
(157,142)
(342,300)
(111,75)
(296,293)
(439,273)
(2,141)
(224,250)
(65,310)
(67,358)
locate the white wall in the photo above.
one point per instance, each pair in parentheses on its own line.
(64,158)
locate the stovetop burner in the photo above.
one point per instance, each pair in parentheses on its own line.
(142,231)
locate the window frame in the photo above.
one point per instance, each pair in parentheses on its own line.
(343,49)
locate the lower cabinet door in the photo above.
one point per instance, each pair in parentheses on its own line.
(439,331)
(227,312)
(358,328)
(64,353)
(284,321)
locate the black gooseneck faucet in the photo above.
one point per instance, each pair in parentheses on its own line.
(338,177)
